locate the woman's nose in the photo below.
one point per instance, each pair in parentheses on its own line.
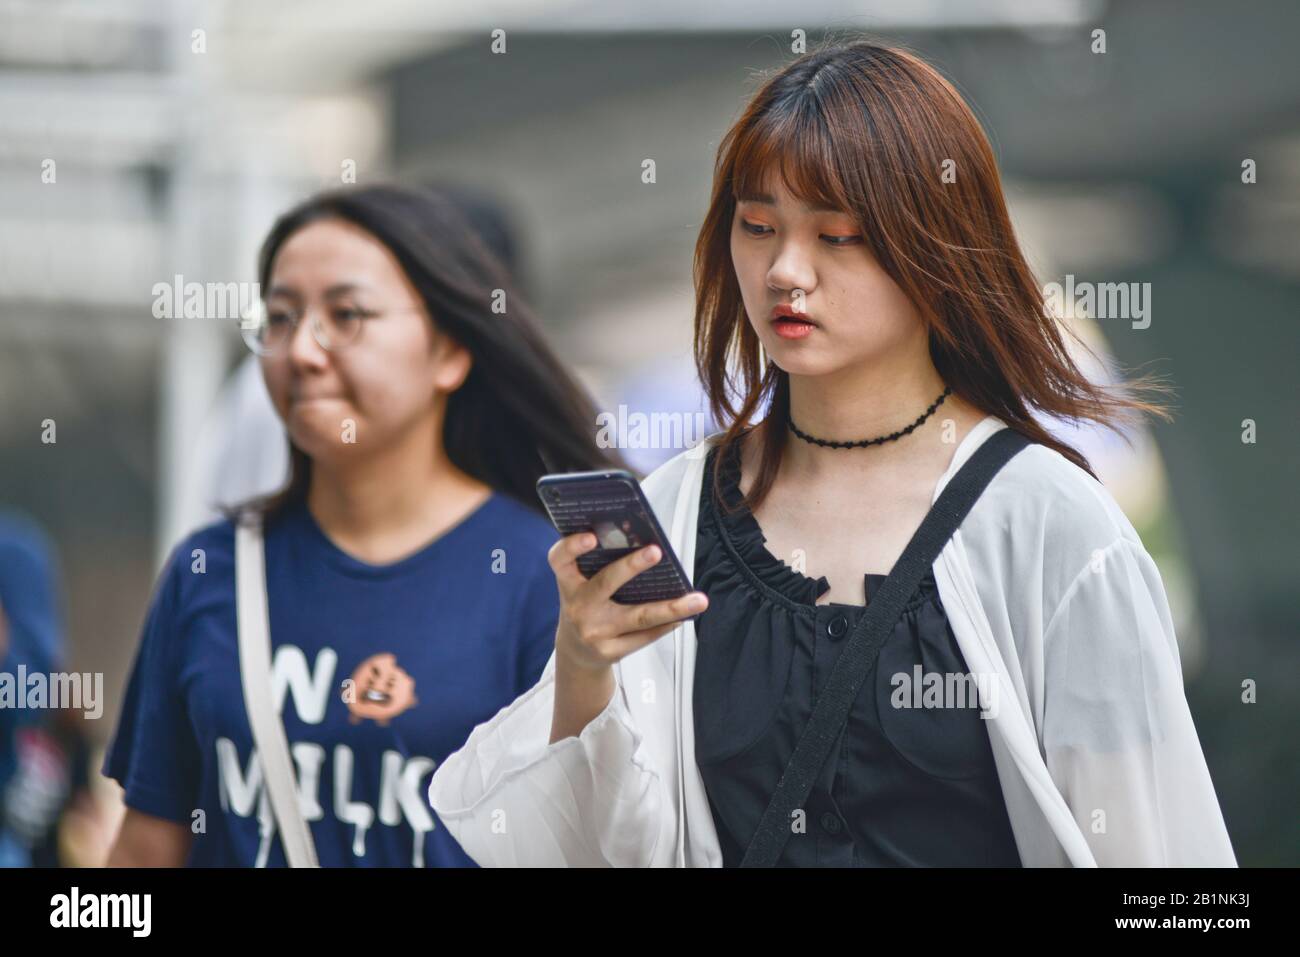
(792,269)
(304,349)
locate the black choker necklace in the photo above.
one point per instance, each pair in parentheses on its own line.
(863,443)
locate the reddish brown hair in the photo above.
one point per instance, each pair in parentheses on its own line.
(868,129)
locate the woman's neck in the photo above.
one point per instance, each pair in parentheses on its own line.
(381,506)
(856,404)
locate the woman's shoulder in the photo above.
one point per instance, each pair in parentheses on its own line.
(205,545)
(676,466)
(514,526)
(520,535)
(1054,483)
(1042,522)
(667,480)
(198,570)
(1041,501)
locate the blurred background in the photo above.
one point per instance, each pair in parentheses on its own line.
(145,140)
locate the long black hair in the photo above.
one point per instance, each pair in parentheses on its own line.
(519,414)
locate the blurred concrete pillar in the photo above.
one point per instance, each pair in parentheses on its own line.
(194,350)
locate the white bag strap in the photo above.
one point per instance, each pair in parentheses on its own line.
(255,675)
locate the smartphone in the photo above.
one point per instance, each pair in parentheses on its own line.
(611,505)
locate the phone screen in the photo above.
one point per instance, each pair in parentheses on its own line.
(612,506)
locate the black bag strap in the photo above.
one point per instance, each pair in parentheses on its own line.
(859,655)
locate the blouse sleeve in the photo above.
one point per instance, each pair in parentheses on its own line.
(511,799)
(1117,734)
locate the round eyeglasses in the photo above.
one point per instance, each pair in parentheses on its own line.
(268,330)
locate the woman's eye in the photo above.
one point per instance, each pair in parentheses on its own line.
(348,314)
(274,318)
(757,229)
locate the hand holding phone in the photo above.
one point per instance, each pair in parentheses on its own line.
(611,505)
(621,586)
(595,631)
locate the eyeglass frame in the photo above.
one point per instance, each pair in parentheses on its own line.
(317,327)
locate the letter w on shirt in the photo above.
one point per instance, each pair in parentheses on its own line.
(310,691)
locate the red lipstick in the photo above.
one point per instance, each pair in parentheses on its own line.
(790,323)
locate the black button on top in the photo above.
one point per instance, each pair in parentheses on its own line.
(837,627)
(831,823)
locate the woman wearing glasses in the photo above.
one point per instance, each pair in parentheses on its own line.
(406,578)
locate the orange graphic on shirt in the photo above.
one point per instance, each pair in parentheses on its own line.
(381,690)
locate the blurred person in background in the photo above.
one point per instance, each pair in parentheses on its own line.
(857,271)
(32,774)
(405,557)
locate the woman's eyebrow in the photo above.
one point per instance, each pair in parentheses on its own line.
(767,199)
(332,292)
(344,288)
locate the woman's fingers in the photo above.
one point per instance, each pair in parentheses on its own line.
(563,559)
(653,615)
(664,615)
(594,628)
(619,648)
(617,574)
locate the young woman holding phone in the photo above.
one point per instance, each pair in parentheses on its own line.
(858,272)
(406,575)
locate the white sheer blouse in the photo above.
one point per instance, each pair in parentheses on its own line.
(1046,585)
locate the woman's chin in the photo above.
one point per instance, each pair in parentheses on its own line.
(802,362)
(323,436)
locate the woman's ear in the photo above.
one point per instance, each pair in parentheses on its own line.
(454,362)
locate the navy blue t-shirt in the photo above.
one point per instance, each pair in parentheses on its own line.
(379,672)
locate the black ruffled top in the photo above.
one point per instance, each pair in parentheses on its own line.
(910,786)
